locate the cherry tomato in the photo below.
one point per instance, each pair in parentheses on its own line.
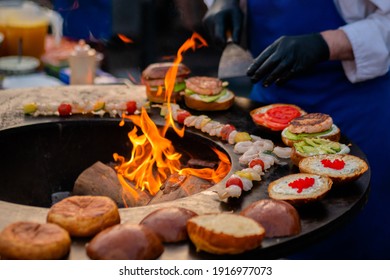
(182,115)
(65,110)
(234,181)
(255,162)
(131,107)
(225,131)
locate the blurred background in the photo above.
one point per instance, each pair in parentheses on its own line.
(129,34)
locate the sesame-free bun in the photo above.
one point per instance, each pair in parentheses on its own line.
(153,77)
(125,242)
(279,218)
(84,216)
(285,188)
(35,241)
(224,233)
(341,168)
(220,105)
(169,223)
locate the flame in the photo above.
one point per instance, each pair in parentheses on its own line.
(125,39)
(153,157)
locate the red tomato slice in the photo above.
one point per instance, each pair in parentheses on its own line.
(282,114)
(278,117)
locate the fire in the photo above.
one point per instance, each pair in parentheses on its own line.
(153,158)
(125,39)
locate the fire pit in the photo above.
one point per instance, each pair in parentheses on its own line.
(42,156)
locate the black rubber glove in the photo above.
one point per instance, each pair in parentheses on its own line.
(288,56)
(223,16)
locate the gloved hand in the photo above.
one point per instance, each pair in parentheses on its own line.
(223,16)
(288,56)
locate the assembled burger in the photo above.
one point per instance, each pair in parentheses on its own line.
(153,77)
(207,94)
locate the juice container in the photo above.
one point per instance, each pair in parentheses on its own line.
(25,29)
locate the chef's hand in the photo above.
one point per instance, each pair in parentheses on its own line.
(223,16)
(288,56)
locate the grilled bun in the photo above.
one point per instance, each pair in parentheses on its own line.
(169,223)
(34,241)
(84,216)
(279,218)
(153,77)
(300,188)
(194,103)
(224,233)
(204,93)
(341,168)
(125,242)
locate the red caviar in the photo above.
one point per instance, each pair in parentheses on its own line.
(302,183)
(336,164)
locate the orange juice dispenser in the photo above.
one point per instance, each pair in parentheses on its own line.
(26,28)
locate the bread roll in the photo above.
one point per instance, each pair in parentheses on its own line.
(169,223)
(34,241)
(341,168)
(278,217)
(84,216)
(300,188)
(224,233)
(197,104)
(125,242)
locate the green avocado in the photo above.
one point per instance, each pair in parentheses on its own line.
(293,136)
(312,146)
(207,98)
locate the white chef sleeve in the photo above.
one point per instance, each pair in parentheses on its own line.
(370,39)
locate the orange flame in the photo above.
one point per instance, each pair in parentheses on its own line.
(153,157)
(125,39)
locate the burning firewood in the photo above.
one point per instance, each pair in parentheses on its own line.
(101,179)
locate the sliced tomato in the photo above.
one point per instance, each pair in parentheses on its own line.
(282,114)
(278,117)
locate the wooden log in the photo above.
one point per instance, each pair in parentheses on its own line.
(178,187)
(101,179)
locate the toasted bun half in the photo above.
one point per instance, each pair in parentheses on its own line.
(169,223)
(276,116)
(125,242)
(279,218)
(84,216)
(225,233)
(197,104)
(300,188)
(341,168)
(306,148)
(34,241)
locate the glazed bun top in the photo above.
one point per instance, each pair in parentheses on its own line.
(159,70)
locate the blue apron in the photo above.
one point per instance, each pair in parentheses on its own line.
(361,110)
